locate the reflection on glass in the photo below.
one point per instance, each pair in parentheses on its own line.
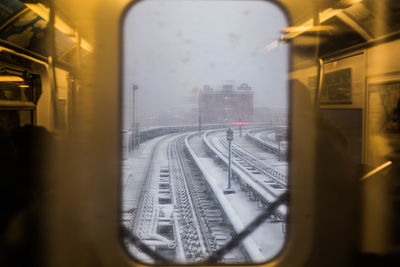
(193,71)
(12,91)
(383,121)
(28,31)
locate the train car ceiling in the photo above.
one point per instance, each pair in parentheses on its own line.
(345,24)
(26,27)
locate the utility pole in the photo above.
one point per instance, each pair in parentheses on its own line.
(200,113)
(135,131)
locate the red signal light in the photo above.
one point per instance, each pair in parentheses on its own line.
(240,123)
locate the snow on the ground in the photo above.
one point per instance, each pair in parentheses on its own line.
(269,159)
(134,172)
(268,237)
(271,136)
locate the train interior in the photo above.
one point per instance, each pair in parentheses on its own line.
(181,132)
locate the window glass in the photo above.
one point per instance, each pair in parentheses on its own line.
(13,88)
(204,131)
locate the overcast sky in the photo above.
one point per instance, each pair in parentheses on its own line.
(171,47)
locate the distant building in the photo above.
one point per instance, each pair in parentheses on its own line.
(229,104)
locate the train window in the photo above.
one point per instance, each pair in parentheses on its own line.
(205,131)
(13,88)
(17,99)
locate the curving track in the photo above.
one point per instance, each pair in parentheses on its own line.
(178,214)
(264,183)
(183,215)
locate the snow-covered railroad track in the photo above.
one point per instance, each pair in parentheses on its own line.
(261,184)
(255,166)
(261,138)
(143,195)
(177,214)
(202,222)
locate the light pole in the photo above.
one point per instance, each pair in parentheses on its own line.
(200,113)
(229,137)
(135,87)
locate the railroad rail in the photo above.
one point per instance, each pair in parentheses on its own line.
(253,164)
(202,220)
(261,138)
(178,216)
(146,218)
(264,141)
(244,172)
(150,133)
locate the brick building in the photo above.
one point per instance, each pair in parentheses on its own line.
(229,104)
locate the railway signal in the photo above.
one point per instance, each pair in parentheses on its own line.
(229,137)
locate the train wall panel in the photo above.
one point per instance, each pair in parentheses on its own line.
(383,59)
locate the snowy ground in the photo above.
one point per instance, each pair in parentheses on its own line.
(268,238)
(133,174)
(268,158)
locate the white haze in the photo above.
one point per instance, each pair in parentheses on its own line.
(172,47)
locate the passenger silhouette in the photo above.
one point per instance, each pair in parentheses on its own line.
(22,158)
